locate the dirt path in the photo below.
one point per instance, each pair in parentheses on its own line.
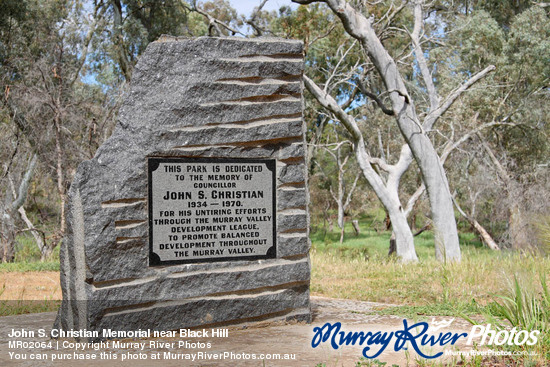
(260,340)
(30,286)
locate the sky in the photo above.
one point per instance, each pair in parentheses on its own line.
(245,6)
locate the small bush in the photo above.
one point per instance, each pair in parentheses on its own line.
(525,307)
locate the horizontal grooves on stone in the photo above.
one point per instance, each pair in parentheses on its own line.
(272,118)
(125,240)
(296,257)
(280,151)
(127,224)
(265,59)
(257,123)
(234,269)
(295,230)
(292,212)
(252,267)
(293,160)
(258,82)
(239,91)
(293,235)
(251,291)
(293,56)
(267,98)
(294,185)
(228,112)
(122,202)
(259,133)
(248,143)
(300,314)
(261,80)
(121,282)
(150,305)
(255,100)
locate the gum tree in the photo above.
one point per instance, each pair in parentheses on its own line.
(413,126)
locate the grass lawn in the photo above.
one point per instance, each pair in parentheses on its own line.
(38,289)
(360,269)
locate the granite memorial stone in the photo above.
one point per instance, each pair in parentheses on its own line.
(194,212)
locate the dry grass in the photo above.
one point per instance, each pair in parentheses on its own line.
(478,277)
(29,292)
(30,286)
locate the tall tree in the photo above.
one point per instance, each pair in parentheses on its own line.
(44,97)
(360,24)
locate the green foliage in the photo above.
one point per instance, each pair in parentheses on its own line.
(502,10)
(151,18)
(525,306)
(482,40)
(24,266)
(10,308)
(423,312)
(364,362)
(529,43)
(27,257)
(543,228)
(522,306)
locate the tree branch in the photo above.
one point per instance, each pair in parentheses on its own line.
(375,98)
(306,2)
(422,63)
(214,23)
(485,236)
(252,20)
(330,103)
(450,147)
(434,115)
(499,167)
(24,186)
(351,190)
(98,14)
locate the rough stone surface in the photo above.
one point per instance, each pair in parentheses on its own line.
(204,97)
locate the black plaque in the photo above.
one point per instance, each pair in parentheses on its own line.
(211,209)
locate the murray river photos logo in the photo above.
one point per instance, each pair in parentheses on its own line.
(418,336)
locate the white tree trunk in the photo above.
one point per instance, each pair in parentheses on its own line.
(388,196)
(390,199)
(445,232)
(7,237)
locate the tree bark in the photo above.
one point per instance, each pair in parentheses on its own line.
(60,173)
(7,237)
(388,195)
(123,61)
(356,228)
(483,234)
(445,232)
(517,224)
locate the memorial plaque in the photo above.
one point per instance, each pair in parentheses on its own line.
(195,211)
(203,210)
